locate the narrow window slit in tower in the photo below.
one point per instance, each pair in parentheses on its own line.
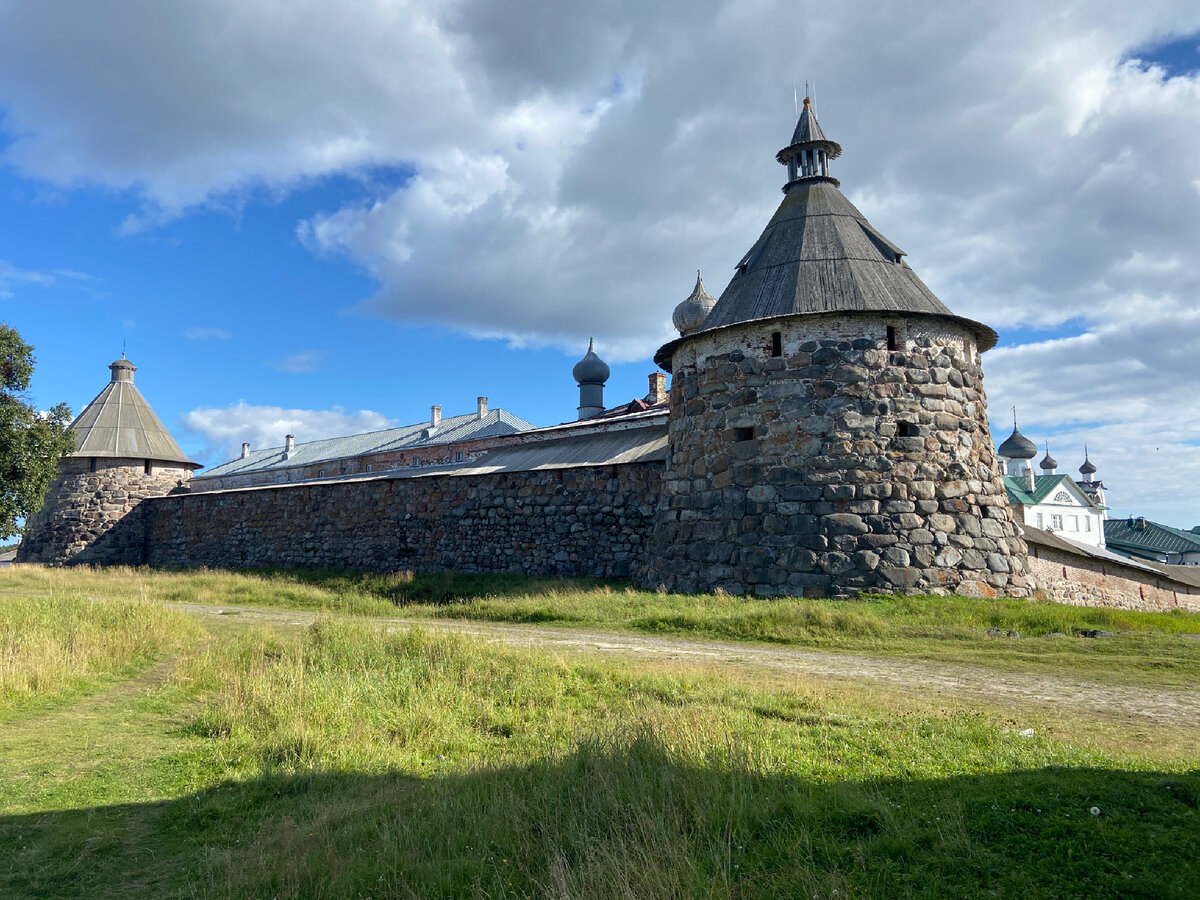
(92,465)
(892,344)
(743,434)
(777,343)
(905,429)
(149,468)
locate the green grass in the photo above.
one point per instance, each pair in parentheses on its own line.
(59,644)
(345,760)
(1147,648)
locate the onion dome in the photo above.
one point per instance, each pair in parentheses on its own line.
(591,369)
(1017,446)
(689,315)
(1087,468)
(1048,463)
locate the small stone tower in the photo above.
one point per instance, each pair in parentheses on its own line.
(123,455)
(590,374)
(828,428)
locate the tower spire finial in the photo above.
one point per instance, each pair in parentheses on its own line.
(122,348)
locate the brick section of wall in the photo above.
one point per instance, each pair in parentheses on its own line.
(590,521)
(819,461)
(1082,581)
(79,520)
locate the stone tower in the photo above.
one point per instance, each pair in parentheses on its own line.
(828,428)
(123,455)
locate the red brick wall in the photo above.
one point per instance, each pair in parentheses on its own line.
(1084,581)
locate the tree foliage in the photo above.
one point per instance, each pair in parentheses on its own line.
(31,442)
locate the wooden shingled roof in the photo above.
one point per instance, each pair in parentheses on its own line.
(820,254)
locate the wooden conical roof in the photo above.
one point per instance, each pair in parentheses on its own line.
(120,423)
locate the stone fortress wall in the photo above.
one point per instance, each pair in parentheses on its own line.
(590,521)
(587,520)
(808,457)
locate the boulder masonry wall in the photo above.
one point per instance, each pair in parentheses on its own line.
(86,514)
(586,521)
(808,457)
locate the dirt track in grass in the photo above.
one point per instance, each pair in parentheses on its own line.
(1161,706)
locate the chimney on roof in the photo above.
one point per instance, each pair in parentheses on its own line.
(1029,483)
(289,445)
(481,406)
(435,416)
(245,449)
(658,388)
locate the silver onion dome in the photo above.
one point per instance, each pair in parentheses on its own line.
(591,369)
(689,315)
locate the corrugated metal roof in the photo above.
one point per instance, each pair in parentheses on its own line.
(627,446)
(120,423)
(1155,537)
(452,430)
(1042,486)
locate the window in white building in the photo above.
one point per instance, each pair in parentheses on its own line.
(1087,523)
(1056,522)
(1073,523)
(1039,521)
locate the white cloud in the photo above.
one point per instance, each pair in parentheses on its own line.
(573,164)
(224,430)
(202,333)
(305,361)
(11,278)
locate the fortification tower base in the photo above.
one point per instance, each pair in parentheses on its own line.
(84,517)
(123,455)
(834,467)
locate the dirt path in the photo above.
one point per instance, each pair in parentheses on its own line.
(1170,707)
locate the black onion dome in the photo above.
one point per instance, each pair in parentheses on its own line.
(1049,462)
(1087,468)
(1017,446)
(591,369)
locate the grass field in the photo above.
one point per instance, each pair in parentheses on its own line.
(1152,649)
(348,760)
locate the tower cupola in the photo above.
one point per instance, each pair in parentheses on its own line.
(590,373)
(1017,449)
(122,370)
(689,315)
(808,155)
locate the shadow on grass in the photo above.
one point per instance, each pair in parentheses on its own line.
(625,819)
(402,588)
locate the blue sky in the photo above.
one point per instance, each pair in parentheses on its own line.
(327,218)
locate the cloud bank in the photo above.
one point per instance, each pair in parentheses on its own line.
(224,429)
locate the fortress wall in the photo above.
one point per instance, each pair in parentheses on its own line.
(587,521)
(86,515)
(836,466)
(1080,580)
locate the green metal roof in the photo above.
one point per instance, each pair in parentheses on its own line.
(1154,537)
(1043,485)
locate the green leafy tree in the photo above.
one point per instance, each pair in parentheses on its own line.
(31,442)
